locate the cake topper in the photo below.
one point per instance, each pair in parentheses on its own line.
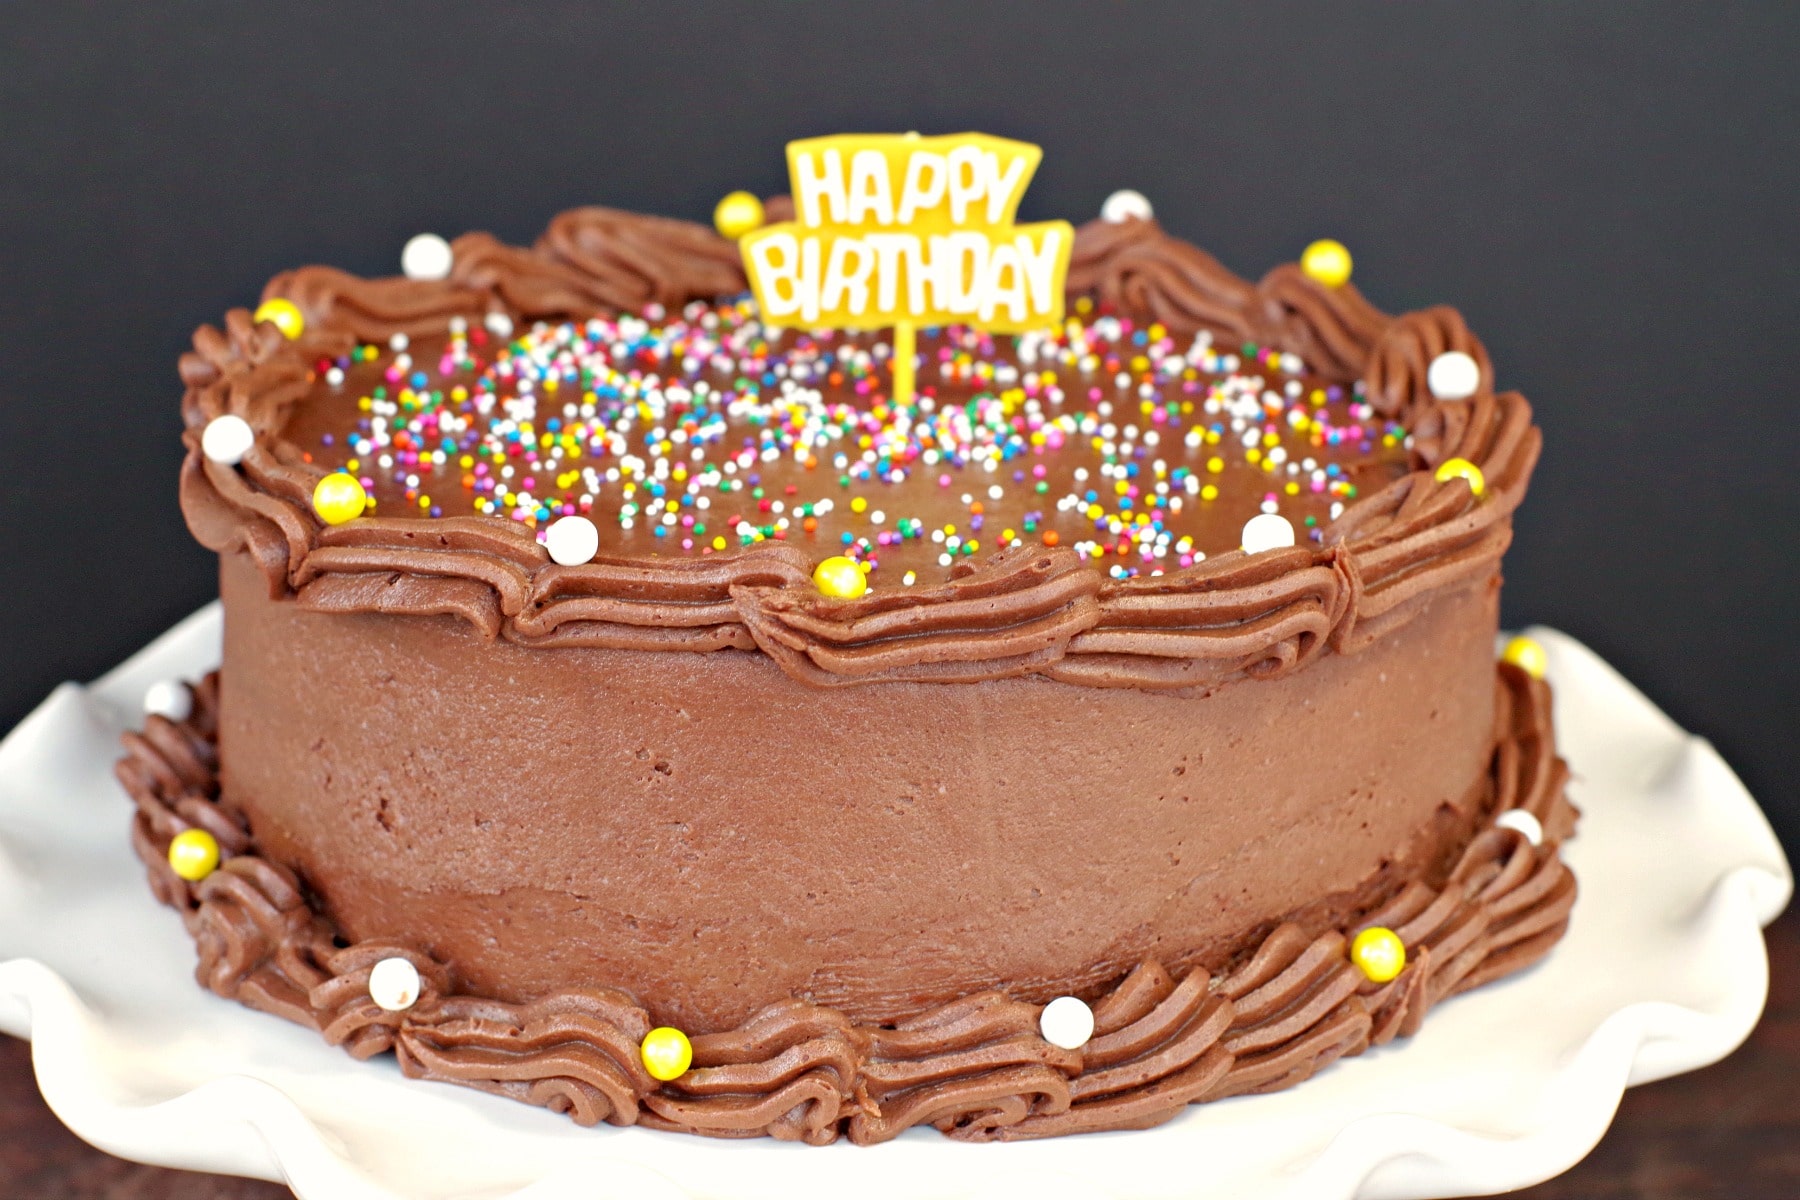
(902,230)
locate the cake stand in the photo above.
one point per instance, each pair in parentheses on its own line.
(1663,970)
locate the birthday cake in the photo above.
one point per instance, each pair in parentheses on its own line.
(1068,700)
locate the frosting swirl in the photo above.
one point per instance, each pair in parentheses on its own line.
(636,260)
(1136,268)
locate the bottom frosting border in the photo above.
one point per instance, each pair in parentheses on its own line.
(975,1068)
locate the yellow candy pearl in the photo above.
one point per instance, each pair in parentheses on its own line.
(840,578)
(194,854)
(1462,468)
(666,1052)
(1379,953)
(1327,262)
(338,498)
(1526,655)
(737,214)
(285,314)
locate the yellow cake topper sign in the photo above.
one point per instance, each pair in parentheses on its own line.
(903,230)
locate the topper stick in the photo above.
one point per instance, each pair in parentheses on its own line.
(905,348)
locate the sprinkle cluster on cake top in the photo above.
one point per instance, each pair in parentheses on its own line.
(703,430)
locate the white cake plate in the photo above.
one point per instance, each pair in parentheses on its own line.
(1663,970)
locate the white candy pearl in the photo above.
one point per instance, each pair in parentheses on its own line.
(572,541)
(394,985)
(1524,823)
(1453,375)
(426,256)
(1066,1022)
(499,324)
(1125,205)
(227,439)
(169,698)
(1267,531)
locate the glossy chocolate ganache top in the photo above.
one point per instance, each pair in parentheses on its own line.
(1191,478)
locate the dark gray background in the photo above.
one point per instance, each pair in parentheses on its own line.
(1607,191)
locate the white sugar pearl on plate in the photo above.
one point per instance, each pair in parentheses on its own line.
(1453,375)
(1125,205)
(1267,531)
(394,985)
(499,324)
(426,256)
(1522,821)
(1066,1022)
(572,541)
(169,698)
(227,439)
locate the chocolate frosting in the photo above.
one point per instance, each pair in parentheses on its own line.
(1042,609)
(975,1068)
(636,260)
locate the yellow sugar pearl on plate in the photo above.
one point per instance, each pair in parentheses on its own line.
(194,854)
(666,1052)
(737,214)
(1379,953)
(840,578)
(1328,262)
(338,498)
(285,314)
(1462,468)
(1526,655)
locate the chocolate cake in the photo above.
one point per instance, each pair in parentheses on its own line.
(638,710)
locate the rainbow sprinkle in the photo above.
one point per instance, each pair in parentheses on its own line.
(699,432)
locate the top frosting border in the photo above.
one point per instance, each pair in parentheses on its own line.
(1024,610)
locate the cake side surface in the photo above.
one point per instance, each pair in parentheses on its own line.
(708,833)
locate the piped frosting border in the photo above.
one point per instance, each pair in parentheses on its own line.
(1031,609)
(976,1068)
